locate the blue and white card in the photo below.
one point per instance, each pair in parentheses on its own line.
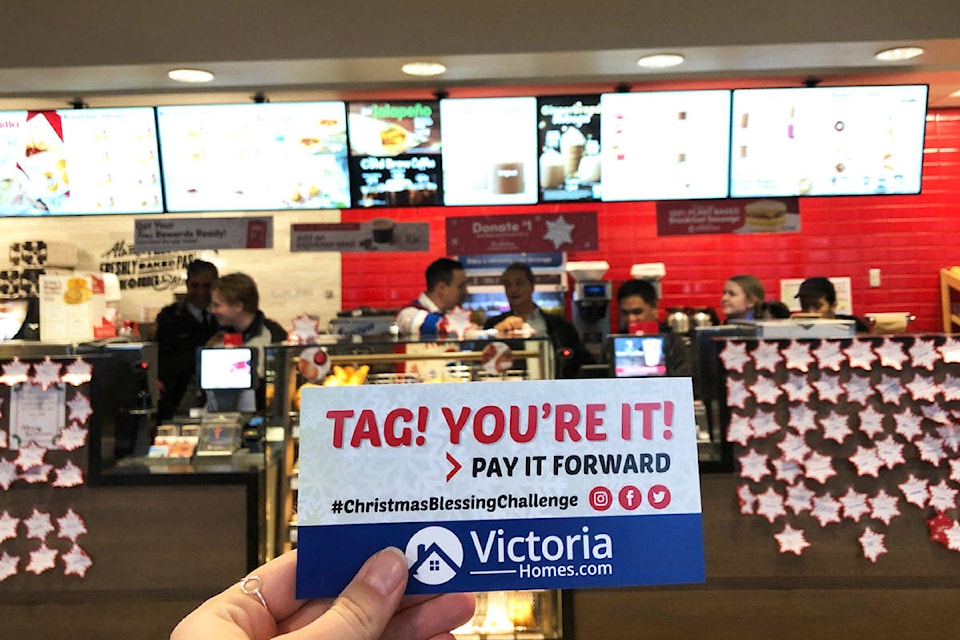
(554,484)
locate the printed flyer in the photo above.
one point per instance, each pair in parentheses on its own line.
(543,485)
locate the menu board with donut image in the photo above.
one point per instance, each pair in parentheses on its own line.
(489,151)
(569,134)
(395,153)
(79,161)
(666,145)
(255,156)
(827,141)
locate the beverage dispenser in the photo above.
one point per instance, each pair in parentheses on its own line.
(591,303)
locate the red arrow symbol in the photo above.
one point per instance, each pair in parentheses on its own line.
(456,466)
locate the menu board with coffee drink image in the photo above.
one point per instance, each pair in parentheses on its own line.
(79,161)
(395,153)
(489,151)
(568,129)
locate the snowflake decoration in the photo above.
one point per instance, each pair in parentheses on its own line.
(766,390)
(69,475)
(854,504)
(305,328)
(78,372)
(891,354)
(890,452)
(15,372)
(3,436)
(829,355)
(871,422)
(938,526)
(737,393)
(861,355)
(950,435)
(770,505)
(72,438)
(8,473)
(952,536)
(30,455)
(924,354)
(867,461)
(76,561)
(936,414)
(828,388)
(802,419)
(799,498)
(819,467)
(765,424)
(740,430)
(746,499)
(798,388)
(47,373)
(950,350)
(753,465)
(931,449)
(767,356)
(793,447)
(786,470)
(836,427)
(559,232)
(955,470)
(872,544)
(8,565)
(734,356)
(923,388)
(943,496)
(80,409)
(890,388)
(37,475)
(883,507)
(791,540)
(951,387)
(914,490)
(859,390)
(825,509)
(71,526)
(8,526)
(797,355)
(43,559)
(38,525)
(908,424)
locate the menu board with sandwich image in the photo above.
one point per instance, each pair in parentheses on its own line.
(255,156)
(79,161)
(668,145)
(827,141)
(489,151)
(569,134)
(395,153)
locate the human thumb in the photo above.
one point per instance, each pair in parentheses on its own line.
(365,607)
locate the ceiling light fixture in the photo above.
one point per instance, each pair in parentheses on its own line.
(660,60)
(423,68)
(190,75)
(897,54)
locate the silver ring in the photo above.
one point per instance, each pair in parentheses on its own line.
(251,587)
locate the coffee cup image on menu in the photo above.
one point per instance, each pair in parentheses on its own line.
(382,230)
(507,178)
(572,143)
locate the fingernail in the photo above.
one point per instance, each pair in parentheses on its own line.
(385,570)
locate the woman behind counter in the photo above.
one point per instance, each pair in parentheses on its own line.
(742,299)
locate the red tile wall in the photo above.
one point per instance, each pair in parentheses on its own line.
(909,238)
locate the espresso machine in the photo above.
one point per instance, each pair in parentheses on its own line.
(591,303)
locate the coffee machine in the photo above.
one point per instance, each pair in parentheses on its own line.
(591,303)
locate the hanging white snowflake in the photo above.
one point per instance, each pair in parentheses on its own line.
(825,509)
(943,496)
(8,565)
(872,544)
(15,372)
(791,540)
(767,356)
(829,355)
(923,388)
(798,388)
(871,422)
(867,461)
(828,388)
(836,427)
(8,526)
(802,419)
(8,473)
(914,491)
(859,389)
(797,356)
(799,498)
(770,505)
(890,452)
(891,354)
(734,356)
(753,465)
(908,424)
(69,475)
(884,507)
(819,467)
(80,409)
(854,504)
(78,372)
(76,561)
(42,559)
(71,526)
(786,470)
(860,354)
(30,455)
(72,437)
(38,525)
(46,374)
(923,353)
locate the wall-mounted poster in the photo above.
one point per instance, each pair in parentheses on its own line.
(395,154)
(489,151)
(569,134)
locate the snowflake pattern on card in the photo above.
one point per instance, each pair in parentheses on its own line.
(871,422)
(890,452)
(767,356)
(737,393)
(826,509)
(799,498)
(829,388)
(30,455)
(884,507)
(860,354)
(802,419)
(915,491)
(797,356)
(76,562)
(891,354)
(8,565)
(80,409)
(798,388)
(924,354)
(72,437)
(942,496)
(819,467)
(15,372)
(8,526)
(950,350)
(872,544)
(770,505)
(836,427)
(46,373)
(923,388)
(791,540)
(39,525)
(890,388)
(740,430)
(734,356)
(78,372)
(859,390)
(764,423)
(71,526)
(829,355)
(854,504)
(787,470)
(753,465)
(767,390)
(8,473)
(42,559)
(69,475)
(867,461)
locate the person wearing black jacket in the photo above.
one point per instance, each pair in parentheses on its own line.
(518,284)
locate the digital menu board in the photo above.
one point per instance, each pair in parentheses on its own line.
(489,151)
(395,154)
(568,129)
(79,161)
(827,141)
(255,156)
(670,145)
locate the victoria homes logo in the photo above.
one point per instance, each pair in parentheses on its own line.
(434,555)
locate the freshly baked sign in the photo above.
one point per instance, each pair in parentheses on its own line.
(693,217)
(536,485)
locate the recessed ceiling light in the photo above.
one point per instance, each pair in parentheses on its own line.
(190,75)
(897,54)
(660,60)
(423,68)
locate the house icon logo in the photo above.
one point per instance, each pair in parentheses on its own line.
(434,554)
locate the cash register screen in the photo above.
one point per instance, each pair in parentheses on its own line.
(227,368)
(637,356)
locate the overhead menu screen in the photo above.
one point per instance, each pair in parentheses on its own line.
(670,145)
(489,151)
(395,153)
(828,141)
(255,156)
(79,161)
(569,136)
